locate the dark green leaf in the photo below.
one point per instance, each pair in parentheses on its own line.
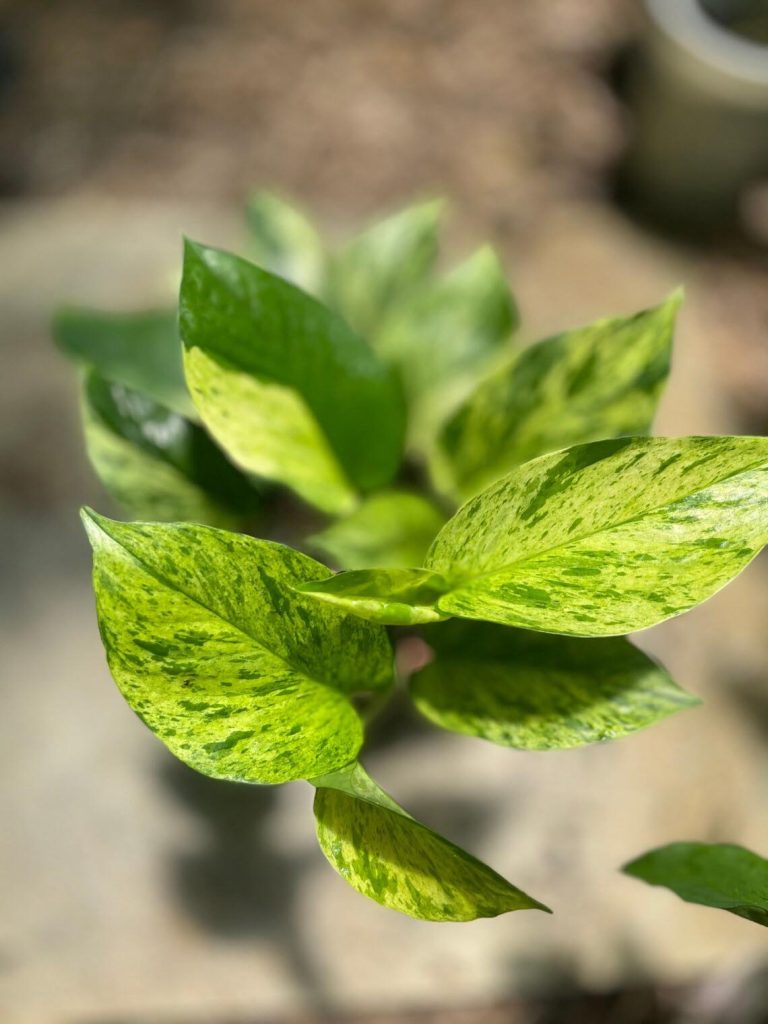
(532,691)
(392,530)
(380,268)
(284,241)
(715,875)
(393,597)
(156,463)
(289,392)
(237,674)
(390,858)
(597,382)
(140,350)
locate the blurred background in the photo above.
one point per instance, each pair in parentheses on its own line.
(610,149)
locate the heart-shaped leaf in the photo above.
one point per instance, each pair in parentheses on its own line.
(609,537)
(715,875)
(386,855)
(532,691)
(596,382)
(282,383)
(238,675)
(157,464)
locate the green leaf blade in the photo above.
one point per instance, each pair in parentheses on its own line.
(723,876)
(252,339)
(532,691)
(239,676)
(390,530)
(392,597)
(157,464)
(379,268)
(607,538)
(140,350)
(394,860)
(284,241)
(583,385)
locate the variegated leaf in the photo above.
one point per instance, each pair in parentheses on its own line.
(237,674)
(383,853)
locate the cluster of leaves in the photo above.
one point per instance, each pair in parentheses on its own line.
(455,474)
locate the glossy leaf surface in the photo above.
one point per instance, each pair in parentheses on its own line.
(284,241)
(724,876)
(386,855)
(393,597)
(532,691)
(380,268)
(282,383)
(609,537)
(390,530)
(140,350)
(597,382)
(157,464)
(238,675)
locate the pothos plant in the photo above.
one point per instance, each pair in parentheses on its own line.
(502,501)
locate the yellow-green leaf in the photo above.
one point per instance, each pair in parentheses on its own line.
(284,385)
(597,382)
(383,853)
(237,674)
(393,597)
(284,241)
(532,691)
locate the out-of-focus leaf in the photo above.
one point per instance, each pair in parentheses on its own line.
(283,385)
(532,691)
(140,350)
(717,875)
(383,853)
(448,334)
(241,677)
(597,382)
(391,530)
(393,597)
(157,464)
(285,242)
(381,267)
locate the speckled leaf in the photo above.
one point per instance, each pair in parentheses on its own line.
(393,597)
(281,382)
(715,875)
(140,350)
(597,382)
(382,266)
(237,674)
(284,241)
(608,537)
(532,691)
(157,464)
(383,853)
(446,336)
(390,530)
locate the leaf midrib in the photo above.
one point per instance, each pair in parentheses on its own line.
(471,579)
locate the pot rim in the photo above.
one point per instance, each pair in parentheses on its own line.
(692,28)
